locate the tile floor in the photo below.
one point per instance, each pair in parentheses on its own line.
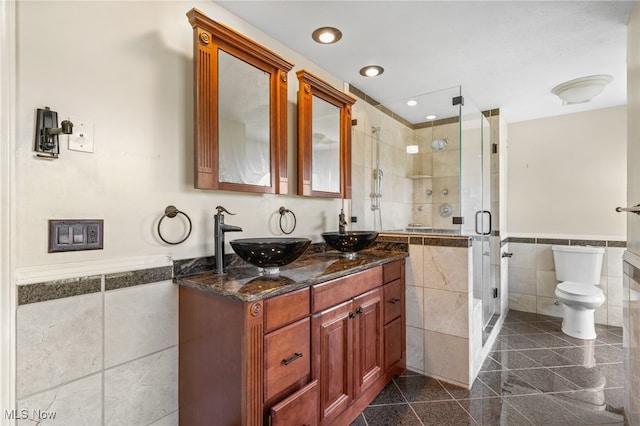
(534,375)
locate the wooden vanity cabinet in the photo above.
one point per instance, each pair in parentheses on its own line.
(316,356)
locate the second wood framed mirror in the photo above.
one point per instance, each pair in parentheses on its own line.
(324,138)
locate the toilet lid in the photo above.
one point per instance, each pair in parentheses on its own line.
(579,289)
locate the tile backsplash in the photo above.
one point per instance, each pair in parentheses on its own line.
(532,279)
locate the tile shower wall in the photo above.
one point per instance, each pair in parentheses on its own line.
(437,172)
(104,355)
(396,165)
(532,279)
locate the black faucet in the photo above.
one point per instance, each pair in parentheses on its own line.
(342,222)
(220,229)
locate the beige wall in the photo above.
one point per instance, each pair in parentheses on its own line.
(567,174)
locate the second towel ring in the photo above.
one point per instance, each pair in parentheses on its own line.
(171,212)
(282,212)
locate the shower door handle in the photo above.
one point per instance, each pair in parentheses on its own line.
(479,230)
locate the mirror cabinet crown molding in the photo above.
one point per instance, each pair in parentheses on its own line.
(333,154)
(231,120)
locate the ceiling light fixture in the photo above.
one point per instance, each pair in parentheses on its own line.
(581,89)
(326,35)
(412,102)
(431,117)
(371,70)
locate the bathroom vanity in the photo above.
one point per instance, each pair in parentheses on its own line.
(313,345)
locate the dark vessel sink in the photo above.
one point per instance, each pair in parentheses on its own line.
(270,253)
(350,242)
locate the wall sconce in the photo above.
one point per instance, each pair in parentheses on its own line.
(47,131)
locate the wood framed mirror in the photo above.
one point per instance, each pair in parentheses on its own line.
(324,138)
(240,116)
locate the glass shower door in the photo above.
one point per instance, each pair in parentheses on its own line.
(475,200)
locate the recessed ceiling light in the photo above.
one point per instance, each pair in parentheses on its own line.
(326,35)
(371,70)
(431,117)
(412,102)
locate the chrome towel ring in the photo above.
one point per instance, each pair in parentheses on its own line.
(171,212)
(284,211)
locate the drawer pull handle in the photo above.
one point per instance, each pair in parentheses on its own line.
(295,356)
(394,301)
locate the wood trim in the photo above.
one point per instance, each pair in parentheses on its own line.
(253,371)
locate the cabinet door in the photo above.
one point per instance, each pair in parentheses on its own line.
(369,347)
(332,341)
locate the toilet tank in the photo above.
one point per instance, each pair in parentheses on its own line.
(582,264)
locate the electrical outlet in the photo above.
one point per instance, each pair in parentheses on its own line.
(82,137)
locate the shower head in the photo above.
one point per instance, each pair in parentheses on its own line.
(439,144)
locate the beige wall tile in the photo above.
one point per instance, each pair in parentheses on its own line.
(140,320)
(445,268)
(446,312)
(415,349)
(522,281)
(77,403)
(522,302)
(142,391)
(58,341)
(414,300)
(446,357)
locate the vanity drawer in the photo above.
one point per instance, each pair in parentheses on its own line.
(392,343)
(285,309)
(392,271)
(300,409)
(331,293)
(393,300)
(287,353)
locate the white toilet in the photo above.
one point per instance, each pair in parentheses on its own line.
(578,268)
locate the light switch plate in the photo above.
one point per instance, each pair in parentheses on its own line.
(75,235)
(82,137)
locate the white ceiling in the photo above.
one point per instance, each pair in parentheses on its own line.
(504,54)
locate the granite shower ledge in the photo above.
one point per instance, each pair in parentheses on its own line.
(440,240)
(246,284)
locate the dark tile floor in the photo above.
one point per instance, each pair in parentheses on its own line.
(534,375)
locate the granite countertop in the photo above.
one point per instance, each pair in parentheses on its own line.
(245,283)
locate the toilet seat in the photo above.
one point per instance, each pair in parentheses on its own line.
(579,289)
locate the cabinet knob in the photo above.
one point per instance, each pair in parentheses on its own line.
(359,310)
(352,315)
